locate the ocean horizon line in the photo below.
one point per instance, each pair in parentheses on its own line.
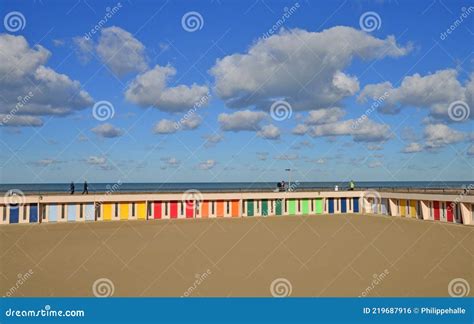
(236,182)
(97,187)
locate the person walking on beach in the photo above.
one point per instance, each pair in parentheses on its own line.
(72,188)
(278,189)
(351,185)
(86,188)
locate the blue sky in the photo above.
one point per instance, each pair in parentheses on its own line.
(322,63)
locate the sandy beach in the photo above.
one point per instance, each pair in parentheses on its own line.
(323,255)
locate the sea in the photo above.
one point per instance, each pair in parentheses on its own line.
(227,186)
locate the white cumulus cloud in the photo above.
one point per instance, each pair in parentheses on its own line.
(207,165)
(413,148)
(30,90)
(107,130)
(96,160)
(300,129)
(244,120)
(433,91)
(269,132)
(150,89)
(213,139)
(167,126)
(325,116)
(171,162)
(278,66)
(440,135)
(120,51)
(365,131)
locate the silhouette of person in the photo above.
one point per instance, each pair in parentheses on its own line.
(86,188)
(72,188)
(351,185)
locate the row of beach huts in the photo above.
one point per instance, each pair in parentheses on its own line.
(55,208)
